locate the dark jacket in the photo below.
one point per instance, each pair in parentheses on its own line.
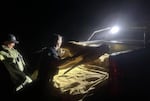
(6,85)
(48,65)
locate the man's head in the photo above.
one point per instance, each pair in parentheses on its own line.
(55,41)
(10,40)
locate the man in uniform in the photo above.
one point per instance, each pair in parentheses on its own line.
(13,63)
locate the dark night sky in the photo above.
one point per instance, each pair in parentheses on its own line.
(33,20)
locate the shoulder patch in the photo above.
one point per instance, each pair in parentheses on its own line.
(49,54)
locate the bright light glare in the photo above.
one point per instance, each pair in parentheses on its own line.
(114,29)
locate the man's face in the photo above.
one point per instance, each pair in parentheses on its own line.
(11,45)
(59,42)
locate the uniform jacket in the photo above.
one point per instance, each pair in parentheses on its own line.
(14,64)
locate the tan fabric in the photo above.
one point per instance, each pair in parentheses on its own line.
(83,78)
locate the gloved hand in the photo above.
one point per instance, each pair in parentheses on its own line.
(27,81)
